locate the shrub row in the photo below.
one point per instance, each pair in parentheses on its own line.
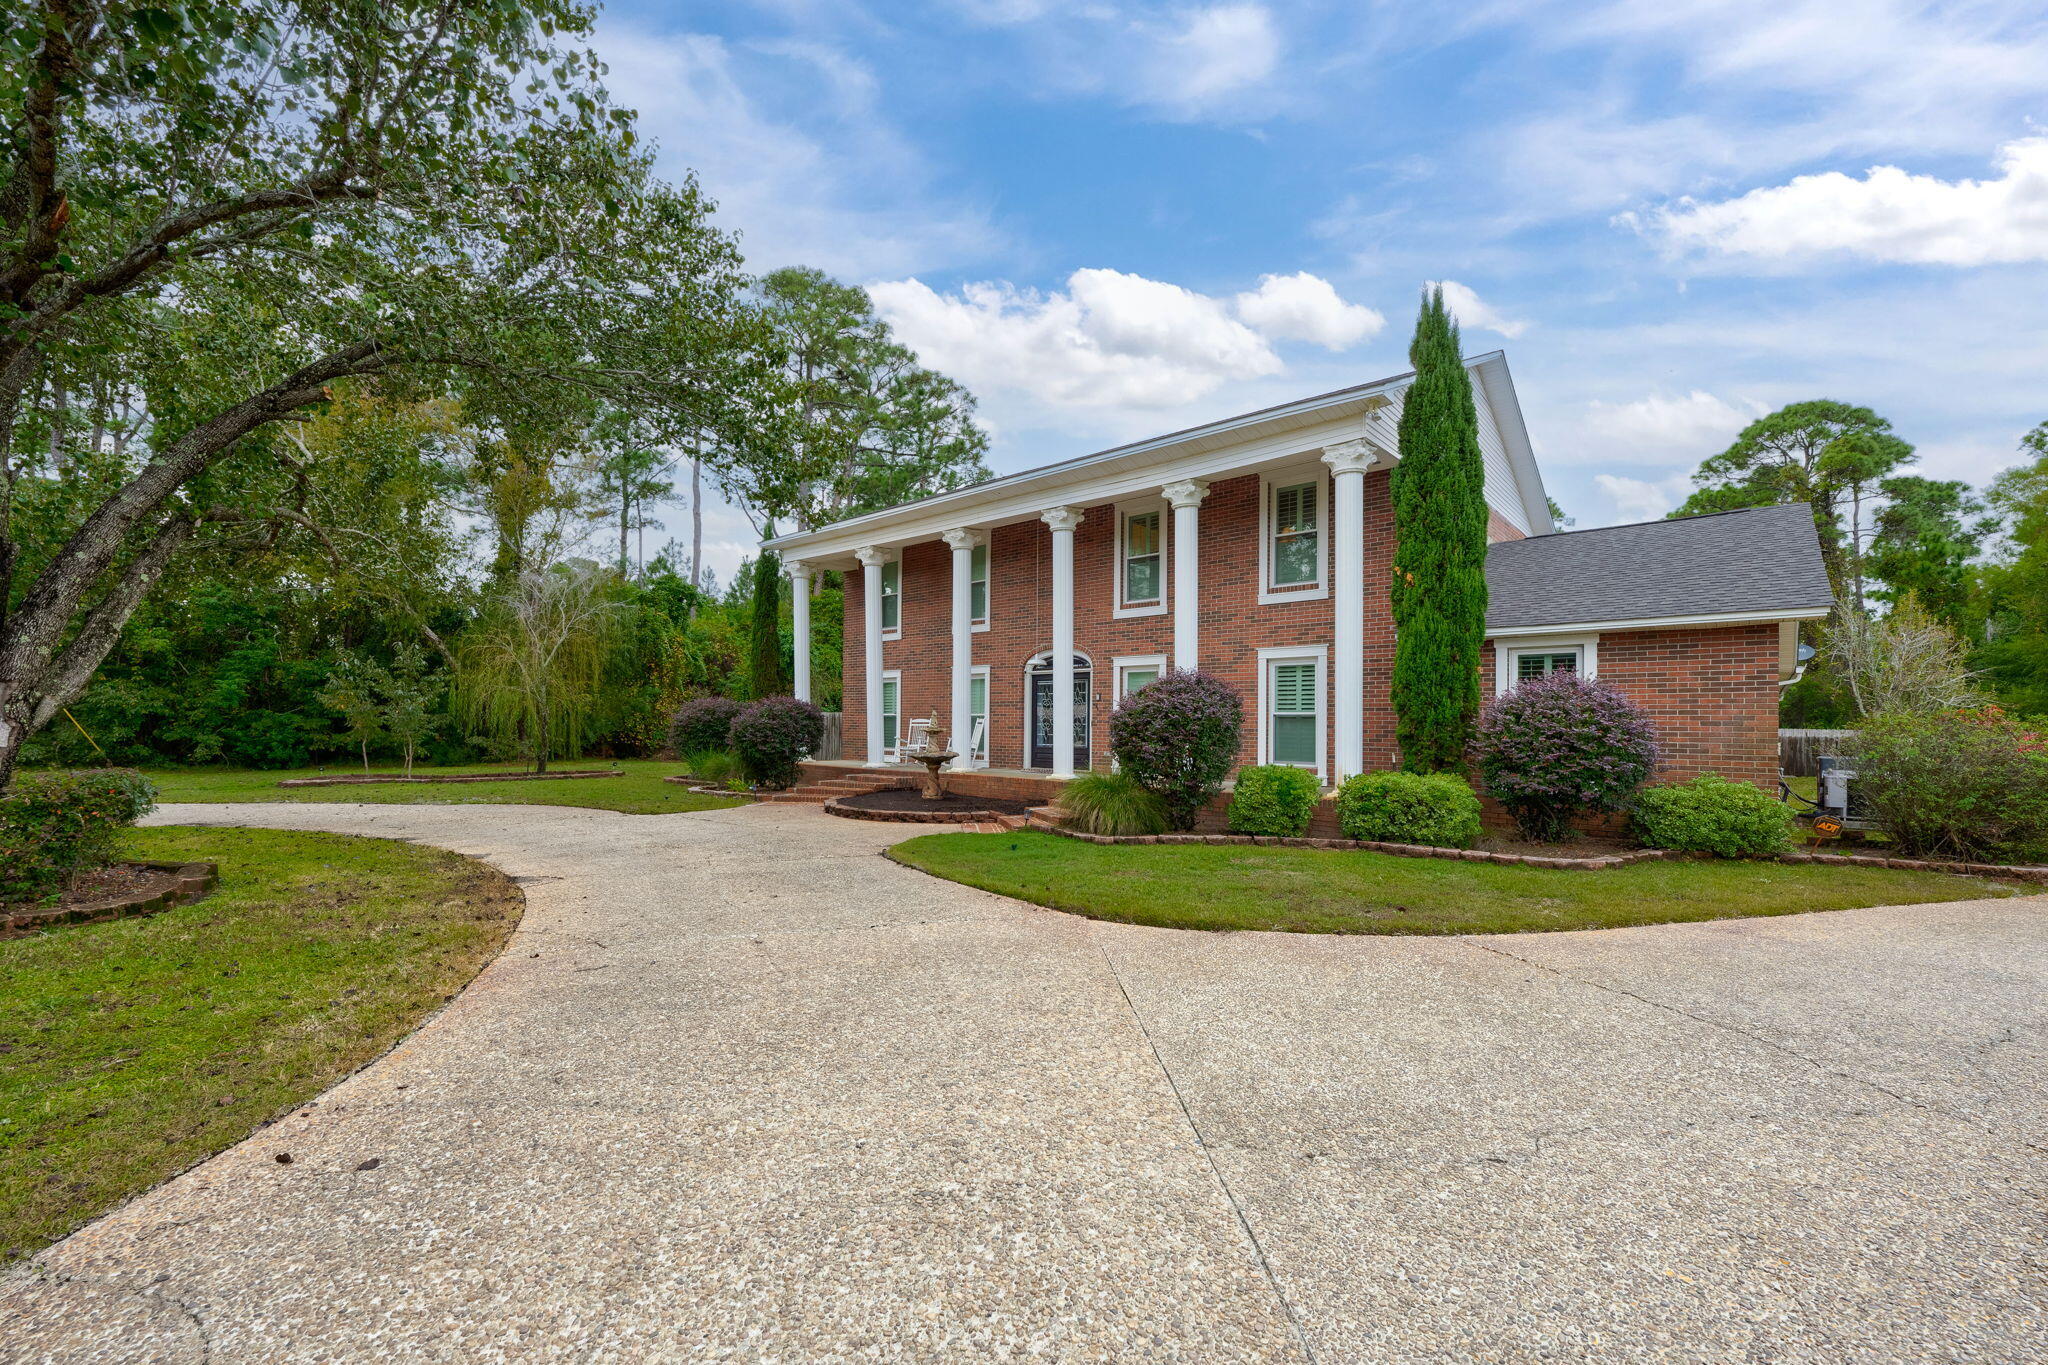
(54,826)
(765,740)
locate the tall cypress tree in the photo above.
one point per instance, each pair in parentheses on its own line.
(1439,587)
(766,675)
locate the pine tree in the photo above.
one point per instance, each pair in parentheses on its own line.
(766,674)
(1439,581)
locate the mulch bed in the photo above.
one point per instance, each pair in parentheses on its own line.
(907,799)
(114,892)
(361,780)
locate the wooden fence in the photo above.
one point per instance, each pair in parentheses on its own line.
(1799,751)
(832,746)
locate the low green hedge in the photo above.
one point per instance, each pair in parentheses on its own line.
(1710,814)
(1274,799)
(56,825)
(1437,809)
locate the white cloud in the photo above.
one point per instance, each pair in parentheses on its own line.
(1305,307)
(1642,499)
(1661,429)
(1473,311)
(789,141)
(1888,215)
(1108,340)
(1206,56)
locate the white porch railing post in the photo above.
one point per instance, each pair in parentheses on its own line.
(1348,461)
(1062,520)
(962,543)
(1186,500)
(871,561)
(800,622)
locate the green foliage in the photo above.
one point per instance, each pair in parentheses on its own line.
(774,735)
(528,672)
(1928,533)
(1968,784)
(2014,655)
(715,766)
(1178,739)
(1710,814)
(1439,574)
(56,825)
(1111,803)
(352,692)
(767,671)
(1560,747)
(1437,810)
(1275,799)
(703,724)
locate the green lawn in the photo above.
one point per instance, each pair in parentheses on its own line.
(639,791)
(1192,886)
(131,1049)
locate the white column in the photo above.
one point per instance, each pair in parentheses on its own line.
(962,543)
(800,620)
(1186,499)
(871,561)
(1348,461)
(1062,520)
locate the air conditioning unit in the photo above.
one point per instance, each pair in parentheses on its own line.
(1839,794)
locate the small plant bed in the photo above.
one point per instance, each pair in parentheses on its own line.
(373,779)
(114,892)
(905,805)
(1307,890)
(639,788)
(135,1048)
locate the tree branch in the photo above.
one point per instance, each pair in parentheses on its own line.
(73,668)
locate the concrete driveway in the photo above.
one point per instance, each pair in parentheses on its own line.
(741,1089)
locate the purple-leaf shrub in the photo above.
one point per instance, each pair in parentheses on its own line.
(775,734)
(702,723)
(1178,738)
(1559,747)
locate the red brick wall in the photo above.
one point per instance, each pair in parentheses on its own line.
(1713,693)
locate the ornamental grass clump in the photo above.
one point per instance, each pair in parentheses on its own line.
(1276,799)
(715,766)
(702,724)
(1561,747)
(54,826)
(773,735)
(1437,810)
(1965,784)
(1110,803)
(1710,814)
(1178,739)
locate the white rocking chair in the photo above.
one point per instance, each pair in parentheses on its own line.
(917,739)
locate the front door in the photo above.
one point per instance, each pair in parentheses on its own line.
(1041,718)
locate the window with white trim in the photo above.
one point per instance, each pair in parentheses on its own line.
(977,585)
(1143,575)
(977,713)
(892,597)
(1518,661)
(1295,557)
(1294,732)
(1542,663)
(892,708)
(1138,672)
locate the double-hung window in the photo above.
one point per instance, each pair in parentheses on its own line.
(892,597)
(977,587)
(1294,535)
(977,709)
(1140,561)
(892,708)
(1137,672)
(1291,707)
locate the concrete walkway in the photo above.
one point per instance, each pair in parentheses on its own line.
(741,1089)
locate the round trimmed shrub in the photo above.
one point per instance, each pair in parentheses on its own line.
(1434,809)
(1275,799)
(54,826)
(1564,746)
(702,723)
(1110,803)
(1178,739)
(773,735)
(1967,784)
(1712,815)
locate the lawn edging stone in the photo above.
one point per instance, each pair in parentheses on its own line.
(1041,819)
(195,882)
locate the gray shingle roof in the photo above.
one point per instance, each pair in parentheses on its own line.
(1758,560)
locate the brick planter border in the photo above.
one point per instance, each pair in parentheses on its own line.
(371,781)
(195,882)
(1599,864)
(917,817)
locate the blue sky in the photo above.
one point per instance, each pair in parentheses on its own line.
(1115,219)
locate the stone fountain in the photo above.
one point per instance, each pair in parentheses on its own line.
(934,756)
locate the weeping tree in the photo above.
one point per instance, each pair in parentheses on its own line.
(1439,577)
(528,672)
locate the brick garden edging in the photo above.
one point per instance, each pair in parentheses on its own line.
(373,780)
(195,882)
(1599,864)
(918,817)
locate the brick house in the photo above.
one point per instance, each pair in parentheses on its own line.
(1258,548)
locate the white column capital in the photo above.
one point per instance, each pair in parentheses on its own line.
(1061,518)
(871,557)
(1351,457)
(797,569)
(1185,493)
(961,538)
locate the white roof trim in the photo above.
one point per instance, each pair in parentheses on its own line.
(1492,372)
(1735,618)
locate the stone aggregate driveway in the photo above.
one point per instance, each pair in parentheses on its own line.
(741,1089)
